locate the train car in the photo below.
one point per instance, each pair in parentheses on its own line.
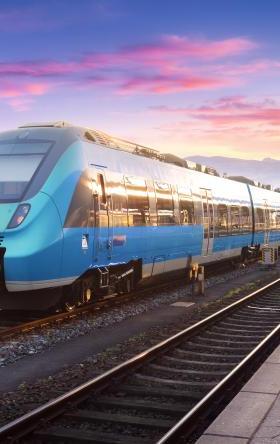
(82,212)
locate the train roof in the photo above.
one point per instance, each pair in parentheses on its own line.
(108,141)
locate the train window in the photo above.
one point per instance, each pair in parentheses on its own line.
(277,218)
(186,209)
(165,205)
(118,200)
(259,219)
(222,220)
(205,219)
(267,217)
(102,193)
(245,219)
(137,201)
(79,210)
(273,218)
(234,219)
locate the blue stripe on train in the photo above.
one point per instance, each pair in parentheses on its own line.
(164,242)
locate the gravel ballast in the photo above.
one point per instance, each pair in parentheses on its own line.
(31,343)
(29,396)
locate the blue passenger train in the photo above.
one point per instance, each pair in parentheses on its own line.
(81,211)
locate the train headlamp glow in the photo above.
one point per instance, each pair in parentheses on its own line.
(19,215)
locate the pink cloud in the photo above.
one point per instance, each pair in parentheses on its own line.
(170,50)
(168,84)
(39,68)
(241,69)
(174,46)
(20,96)
(37,89)
(166,66)
(230,111)
(17,90)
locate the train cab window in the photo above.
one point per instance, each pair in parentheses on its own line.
(137,201)
(165,205)
(19,161)
(259,219)
(234,219)
(222,220)
(245,219)
(186,207)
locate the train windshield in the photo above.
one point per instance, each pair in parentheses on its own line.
(19,162)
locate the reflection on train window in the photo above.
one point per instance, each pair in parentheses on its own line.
(101,205)
(267,218)
(186,209)
(245,219)
(273,223)
(277,218)
(208,213)
(222,220)
(79,210)
(165,206)
(118,208)
(137,201)
(101,191)
(234,219)
(259,219)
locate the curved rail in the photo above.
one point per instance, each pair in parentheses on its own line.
(139,384)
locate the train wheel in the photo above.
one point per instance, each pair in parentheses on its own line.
(78,294)
(87,295)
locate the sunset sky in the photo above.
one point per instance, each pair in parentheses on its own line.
(183,76)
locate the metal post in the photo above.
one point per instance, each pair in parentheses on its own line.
(193,278)
(201,280)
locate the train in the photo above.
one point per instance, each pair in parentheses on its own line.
(82,213)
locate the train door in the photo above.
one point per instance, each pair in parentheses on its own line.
(103,234)
(208,221)
(266,222)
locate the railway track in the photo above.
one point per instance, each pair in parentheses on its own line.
(163,394)
(11,325)
(14,323)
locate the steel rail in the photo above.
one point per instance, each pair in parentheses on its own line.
(107,301)
(188,423)
(28,422)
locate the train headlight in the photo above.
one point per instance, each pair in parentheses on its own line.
(19,215)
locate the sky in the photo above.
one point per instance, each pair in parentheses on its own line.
(182,76)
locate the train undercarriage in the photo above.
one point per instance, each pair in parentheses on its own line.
(97,283)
